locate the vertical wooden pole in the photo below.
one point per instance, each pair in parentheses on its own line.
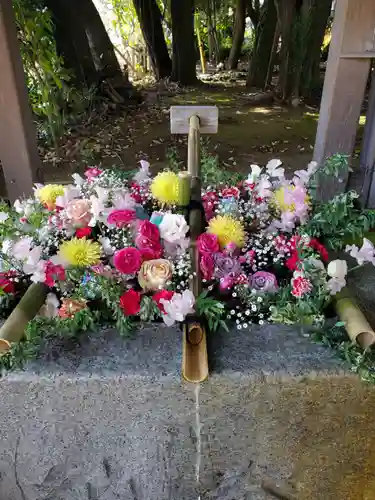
(344,85)
(367,160)
(18,148)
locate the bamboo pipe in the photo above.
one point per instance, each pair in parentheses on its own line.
(194,349)
(358,328)
(28,307)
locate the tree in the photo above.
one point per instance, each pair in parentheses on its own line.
(149,17)
(238,33)
(266,36)
(72,43)
(183,42)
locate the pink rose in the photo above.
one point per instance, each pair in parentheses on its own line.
(226,283)
(150,253)
(92,172)
(207,266)
(208,243)
(128,260)
(121,218)
(143,243)
(78,211)
(148,230)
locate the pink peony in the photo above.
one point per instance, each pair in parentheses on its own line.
(208,243)
(300,286)
(207,266)
(121,218)
(92,172)
(226,283)
(150,253)
(78,211)
(128,260)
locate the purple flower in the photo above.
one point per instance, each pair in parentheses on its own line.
(263,282)
(226,265)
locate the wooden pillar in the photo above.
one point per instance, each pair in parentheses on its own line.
(367,159)
(18,148)
(351,50)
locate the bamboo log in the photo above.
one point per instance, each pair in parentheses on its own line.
(358,328)
(30,304)
(194,351)
(184,187)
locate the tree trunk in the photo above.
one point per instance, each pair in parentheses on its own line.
(149,17)
(310,76)
(254,10)
(286,12)
(101,46)
(238,34)
(183,42)
(71,42)
(266,36)
(200,44)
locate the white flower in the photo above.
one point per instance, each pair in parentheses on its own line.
(286,223)
(364,254)
(318,264)
(255,173)
(173,228)
(122,200)
(7,247)
(70,193)
(3,216)
(97,210)
(273,169)
(38,271)
(19,206)
(21,248)
(78,179)
(178,307)
(102,193)
(335,285)
(176,249)
(143,175)
(32,263)
(312,167)
(337,269)
(106,245)
(264,187)
(50,308)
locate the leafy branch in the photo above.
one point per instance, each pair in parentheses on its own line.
(213,310)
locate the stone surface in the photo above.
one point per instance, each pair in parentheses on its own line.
(112,420)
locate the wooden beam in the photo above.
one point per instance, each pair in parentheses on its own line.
(367,159)
(18,148)
(344,85)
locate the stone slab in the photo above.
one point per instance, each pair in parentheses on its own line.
(112,420)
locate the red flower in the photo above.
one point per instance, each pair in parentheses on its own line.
(6,284)
(83,232)
(207,266)
(135,192)
(152,252)
(148,230)
(162,295)
(121,218)
(230,192)
(128,260)
(130,302)
(54,273)
(293,261)
(321,249)
(301,286)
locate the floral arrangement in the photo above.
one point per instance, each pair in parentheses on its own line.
(119,248)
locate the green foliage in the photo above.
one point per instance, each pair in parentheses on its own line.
(149,310)
(41,331)
(339,220)
(361,362)
(213,310)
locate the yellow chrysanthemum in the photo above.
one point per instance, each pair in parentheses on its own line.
(48,194)
(279,199)
(166,188)
(227,230)
(80,252)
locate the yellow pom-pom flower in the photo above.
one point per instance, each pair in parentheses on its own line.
(166,188)
(48,194)
(228,230)
(80,252)
(279,199)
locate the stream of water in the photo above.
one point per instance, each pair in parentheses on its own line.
(198,428)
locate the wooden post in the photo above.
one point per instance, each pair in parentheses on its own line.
(18,148)
(367,160)
(351,50)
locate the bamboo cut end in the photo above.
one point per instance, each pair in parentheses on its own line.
(4,346)
(194,362)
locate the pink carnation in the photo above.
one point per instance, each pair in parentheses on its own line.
(300,286)
(128,260)
(92,172)
(121,218)
(207,266)
(148,230)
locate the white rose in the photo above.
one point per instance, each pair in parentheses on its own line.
(3,216)
(173,228)
(337,269)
